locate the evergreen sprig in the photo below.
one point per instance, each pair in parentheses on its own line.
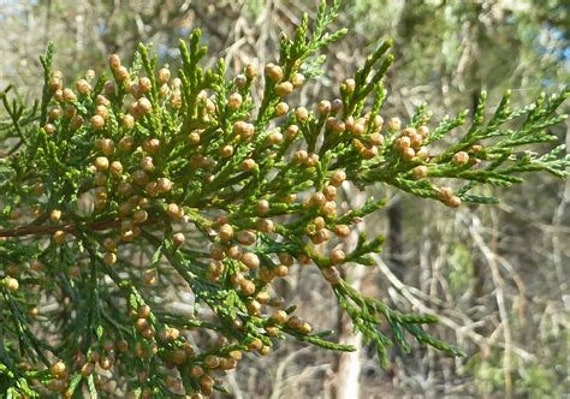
(144,182)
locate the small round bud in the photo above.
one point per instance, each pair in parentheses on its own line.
(321,236)
(423,131)
(422,153)
(248,165)
(246,237)
(291,132)
(49,128)
(164,184)
(244,130)
(331,275)
(251,71)
(281,109)
(324,107)
(460,158)
(217,252)
(107,147)
(176,99)
(143,106)
(453,201)
(11,284)
(302,114)
(262,206)
(109,88)
(298,79)
(305,328)
(416,140)
(144,85)
(163,75)
(337,177)
(330,192)
(253,308)
(55,83)
(265,275)
(83,87)
(164,91)
(58,95)
(225,232)
(97,122)
(337,256)
(76,122)
(286,258)
(194,137)
(251,260)
(58,370)
(114,61)
(110,244)
(151,146)
(377,122)
(101,163)
(116,169)
(444,193)
(273,72)
(235,101)
(319,223)
(376,139)
(178,239)
(342,230)
(240,80)
(420,172)
(69,95)
(408,154)
(312,160)
(122,74)
(210,106)
(281,271)
(266,225)
(335,126)
(147,164)
(409,132)
(55,216)
(318,199)
(394,124)
(110,258)
(87,369)
(349,85)
(126,143)
(402,143)
(174,211)
(300,156)
(128,122)
(247,287)
(237,278)
(475,148)
(294,322)
(279,316)
(283,89)
(226,151)
(235,252)
(139,177)
(103,111)
(54,113)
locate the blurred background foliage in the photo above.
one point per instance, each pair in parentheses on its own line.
(497,276)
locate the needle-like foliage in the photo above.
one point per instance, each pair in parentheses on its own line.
(125,186)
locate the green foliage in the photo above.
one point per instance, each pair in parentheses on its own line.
(137,184)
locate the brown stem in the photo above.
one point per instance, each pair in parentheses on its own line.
(68,228)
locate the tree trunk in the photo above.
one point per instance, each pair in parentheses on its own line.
(346,384)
